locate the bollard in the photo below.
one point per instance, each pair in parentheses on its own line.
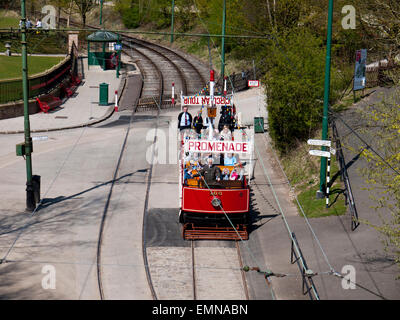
(36,187)
(116,101)
(173,93)
(225,91)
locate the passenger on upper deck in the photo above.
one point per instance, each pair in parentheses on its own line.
(226,133)
(198,122)
(225,174)
(230,160)
(184,119)
(210,172)
(234,175)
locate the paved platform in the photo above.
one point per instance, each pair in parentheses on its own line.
(79,110)
(251,103)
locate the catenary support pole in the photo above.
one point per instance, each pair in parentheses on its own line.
(223,42)
(172,20)
(30,199)
(101,12)
(320,192)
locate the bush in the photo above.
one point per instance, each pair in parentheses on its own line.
(295,87)
(131,18)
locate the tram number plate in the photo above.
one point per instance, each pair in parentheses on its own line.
(215,193)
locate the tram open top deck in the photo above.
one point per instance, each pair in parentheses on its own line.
(215,209)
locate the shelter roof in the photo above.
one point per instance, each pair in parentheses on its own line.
(103,36)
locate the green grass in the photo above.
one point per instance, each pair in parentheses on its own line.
(302,170)
(11,67)
(8,21)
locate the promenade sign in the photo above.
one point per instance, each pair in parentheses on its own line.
(211,146)
(206,101)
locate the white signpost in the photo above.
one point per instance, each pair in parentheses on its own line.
(320,153)
(326,143)
(327,154)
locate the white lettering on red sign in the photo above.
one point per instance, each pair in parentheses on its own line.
(206,146)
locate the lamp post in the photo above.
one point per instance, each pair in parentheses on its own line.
(30,199)
(320,192)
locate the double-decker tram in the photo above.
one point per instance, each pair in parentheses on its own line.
(215,167)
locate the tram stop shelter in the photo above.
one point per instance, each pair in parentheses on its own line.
(101,54)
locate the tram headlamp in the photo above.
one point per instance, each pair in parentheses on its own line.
(216,202)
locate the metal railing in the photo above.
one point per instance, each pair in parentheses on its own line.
(11,90)
(308,285)
(345,178)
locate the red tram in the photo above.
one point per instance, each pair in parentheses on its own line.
(214,209)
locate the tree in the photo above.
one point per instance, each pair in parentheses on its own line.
(295,83)
(84,7)
(380,21)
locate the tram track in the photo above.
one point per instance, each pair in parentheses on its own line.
(215,266)
(104,216)
(159,68)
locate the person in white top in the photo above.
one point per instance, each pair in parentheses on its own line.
(226,133)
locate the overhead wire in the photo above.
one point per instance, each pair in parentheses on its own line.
(335,114)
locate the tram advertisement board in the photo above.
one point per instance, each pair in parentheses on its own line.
(207,146)
(206,100)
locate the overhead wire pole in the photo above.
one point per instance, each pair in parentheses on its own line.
(30,199)
(101,12)
(172,20)
(322,183)
(223,42)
